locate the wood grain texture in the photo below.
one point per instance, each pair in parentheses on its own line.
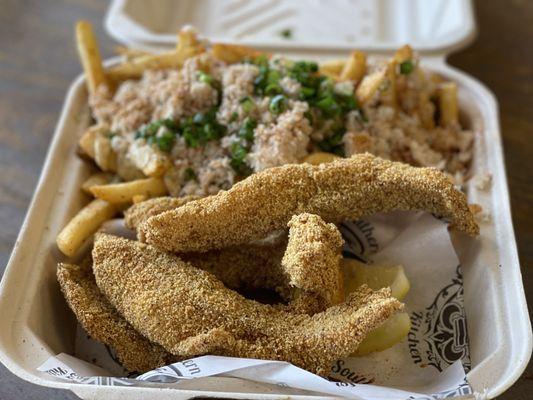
(38,61)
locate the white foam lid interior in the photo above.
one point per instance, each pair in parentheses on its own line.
(333,25)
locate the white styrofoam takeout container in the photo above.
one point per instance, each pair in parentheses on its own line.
(37,324)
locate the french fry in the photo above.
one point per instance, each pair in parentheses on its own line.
(388,89)
(369,86)
(188,46)
(123,192)
(320,158)
(96,143)
(230,53)
(332,68)
(426,110)
(404,53)
(99,178)
(83,225)
(449,111)
(86,141)
(134,68)
(128,53)
(104,156)
(139,198)
(188,42)
(355,67)
(90,56)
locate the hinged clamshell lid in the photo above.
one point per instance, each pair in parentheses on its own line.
(430,26)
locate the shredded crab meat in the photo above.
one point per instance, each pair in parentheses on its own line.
(284,142)
(406,131)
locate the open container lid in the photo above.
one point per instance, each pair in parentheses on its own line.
(336,26)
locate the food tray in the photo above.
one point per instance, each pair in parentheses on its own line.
(40,324)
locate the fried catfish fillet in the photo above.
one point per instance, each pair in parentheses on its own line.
(308,276)
(102,322)
(266,201)
(140,212)
(190,312)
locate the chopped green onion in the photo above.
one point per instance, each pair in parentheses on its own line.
(261,60)
(272,89)
(189,174)
(201,128)
(205,78)
(198,118)
(273,76)
(329,106)
(333,144)
(307,92)
(191,140)
(238,159)
(277,104)
(246,131)
(165,141)
(286,33)
(247,104)
(406,67)
(234,116)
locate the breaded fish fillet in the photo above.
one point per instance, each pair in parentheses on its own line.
(190,312)
(345,189)
(312,259)
(102,322)
(140,212)
(248,267)
(310,268)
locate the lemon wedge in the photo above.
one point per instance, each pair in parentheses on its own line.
(396,328)
(320,158)
(393,331)
(375,276)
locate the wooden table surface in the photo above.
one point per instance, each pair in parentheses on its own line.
(38,62)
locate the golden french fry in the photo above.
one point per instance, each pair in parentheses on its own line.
(117,193)
(187,40)
(332,68)
(86,141)
(90,56)
(83,225)
(151,162)
(104,156)
(404,53)
(130,54)
(355,67)
(320,158)
(369,86)
(230,53)
(449,111)
(426,110)
(188,46)
(139,198)
(99,178)
(134,68)
(388,88)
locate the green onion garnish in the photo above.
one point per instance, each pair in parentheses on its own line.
(189,174)
(205,78)
(277,104)
(286,33)
(406,67)
(247,104)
